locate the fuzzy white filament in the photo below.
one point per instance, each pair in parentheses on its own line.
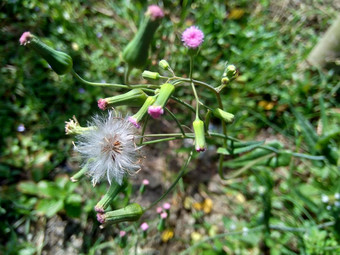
(109,150)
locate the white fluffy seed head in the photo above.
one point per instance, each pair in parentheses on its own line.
(109,150)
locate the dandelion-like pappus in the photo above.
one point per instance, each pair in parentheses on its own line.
(109,148)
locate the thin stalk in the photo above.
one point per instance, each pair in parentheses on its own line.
(82,80)
(127,74)
(144,128)
(183,103)
(160,140)
(193,86)
(200,83)
(173,185)
(170,134)
(176,120)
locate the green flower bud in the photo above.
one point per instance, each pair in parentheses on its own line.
(164,64)
(131,212)
(135,98)
(230,71)
(111,193)
(200,144)
(135,119)
(223,115)
(136,52)
(225,81)
(150,75)
(156,110)
(59,61)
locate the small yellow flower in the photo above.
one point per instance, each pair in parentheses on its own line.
(195,236)
(207,205)
(197,206)
(167,235)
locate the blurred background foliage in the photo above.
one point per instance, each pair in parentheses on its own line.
(273,98)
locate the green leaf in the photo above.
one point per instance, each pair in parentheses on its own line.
(49,207)
(28,187)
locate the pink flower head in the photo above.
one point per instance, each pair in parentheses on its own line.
(122,233)
(164,215)
(146,182)
(199,149)
(167,206)
(134,121)
(159,209)
(99,209)
(155,12)
(155,111)
(192,37)
(101,218)
(25,38)
(144,226)
(102,104)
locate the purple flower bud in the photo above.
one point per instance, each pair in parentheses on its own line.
(134,121)
(167,206)
(101,218)
(102,104)
(155,111)
(144,226)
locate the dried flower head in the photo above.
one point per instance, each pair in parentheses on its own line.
(192,37)
(109,150)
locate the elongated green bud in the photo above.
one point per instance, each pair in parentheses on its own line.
(150,75)
(59,61)
(131,212)
(164,64)
(111,193)
(135,98)
(230,71)
(200,144)
(156,110)
(135,119)
(136,52)
(223,115)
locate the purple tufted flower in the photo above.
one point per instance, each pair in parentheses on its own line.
(192,37)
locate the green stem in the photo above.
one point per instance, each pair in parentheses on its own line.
(193,86)
(173,185)
(127,72)
(201,83)
(144,128)
(176,120)
(160,140)
(80,79)
(224,130)
(183,103)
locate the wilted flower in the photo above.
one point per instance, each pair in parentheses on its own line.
(108,149)
(192,37)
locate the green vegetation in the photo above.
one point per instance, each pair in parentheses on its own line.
(279,192)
